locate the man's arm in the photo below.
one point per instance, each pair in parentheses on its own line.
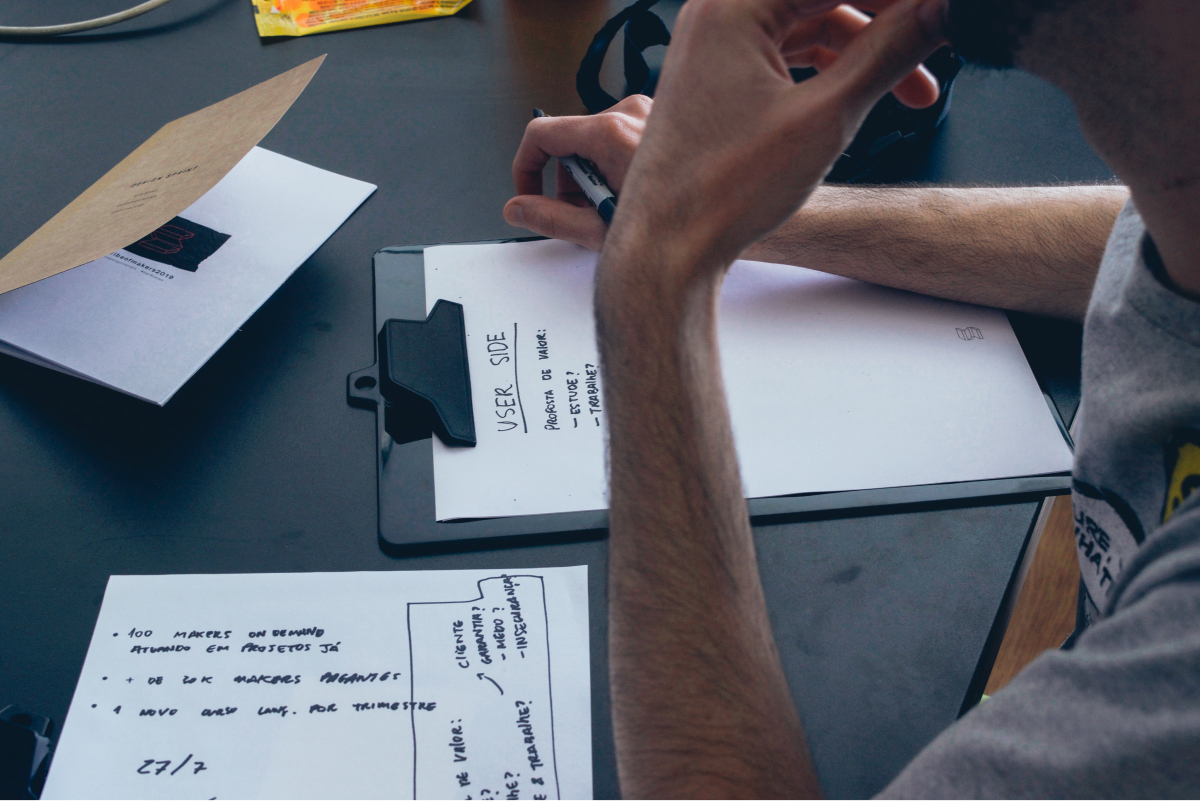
(1033,249)
(701,707)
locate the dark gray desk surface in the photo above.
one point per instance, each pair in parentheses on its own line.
(259,464)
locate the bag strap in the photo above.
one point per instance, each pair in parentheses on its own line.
(642,29)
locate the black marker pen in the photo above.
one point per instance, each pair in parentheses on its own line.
(592,184)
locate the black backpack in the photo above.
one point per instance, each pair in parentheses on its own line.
(890,132)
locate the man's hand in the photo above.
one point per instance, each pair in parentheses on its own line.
(610,138)
(734,146)
(607,139)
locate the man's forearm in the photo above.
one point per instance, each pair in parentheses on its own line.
(1034,249)
(700,704)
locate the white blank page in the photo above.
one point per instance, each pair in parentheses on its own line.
(833,384)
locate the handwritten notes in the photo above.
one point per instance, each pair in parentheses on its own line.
(833,384)
(454,684)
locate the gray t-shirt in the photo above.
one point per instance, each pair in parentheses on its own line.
(1119,713)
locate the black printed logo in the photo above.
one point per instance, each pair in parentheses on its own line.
(180,243)
(967,334)
(1107,535)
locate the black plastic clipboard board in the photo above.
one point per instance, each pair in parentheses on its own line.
(407,521)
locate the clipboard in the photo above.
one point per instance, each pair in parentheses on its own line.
(420,381)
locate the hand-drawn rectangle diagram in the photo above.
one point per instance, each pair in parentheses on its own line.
(494,734)
(393,684)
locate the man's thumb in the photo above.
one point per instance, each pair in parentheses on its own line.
(557,220)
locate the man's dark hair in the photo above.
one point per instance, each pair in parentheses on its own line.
(989,32)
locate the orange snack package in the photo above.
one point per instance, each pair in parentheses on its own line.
(302,17)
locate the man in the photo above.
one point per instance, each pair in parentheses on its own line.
(721,166)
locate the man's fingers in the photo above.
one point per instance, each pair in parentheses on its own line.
(886,51)
(833,30)
(817,43)
(605,138)
(528,164)
(918,89)
(779,16)
(818,58)
(874,6)
(636,106)
(599,139)
(557,220)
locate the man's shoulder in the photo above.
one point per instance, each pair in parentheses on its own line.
(1119,714)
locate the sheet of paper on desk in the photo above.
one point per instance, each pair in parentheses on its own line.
(833,385)
(425,684)
(144,319)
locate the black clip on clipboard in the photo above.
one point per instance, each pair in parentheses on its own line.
(420,386)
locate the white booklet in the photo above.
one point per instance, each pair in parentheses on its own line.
(833,385)
(390,684)
(144,319)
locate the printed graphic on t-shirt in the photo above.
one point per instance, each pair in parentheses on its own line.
(180,243)
(1108,531)
(1107,534)
(1182,457)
